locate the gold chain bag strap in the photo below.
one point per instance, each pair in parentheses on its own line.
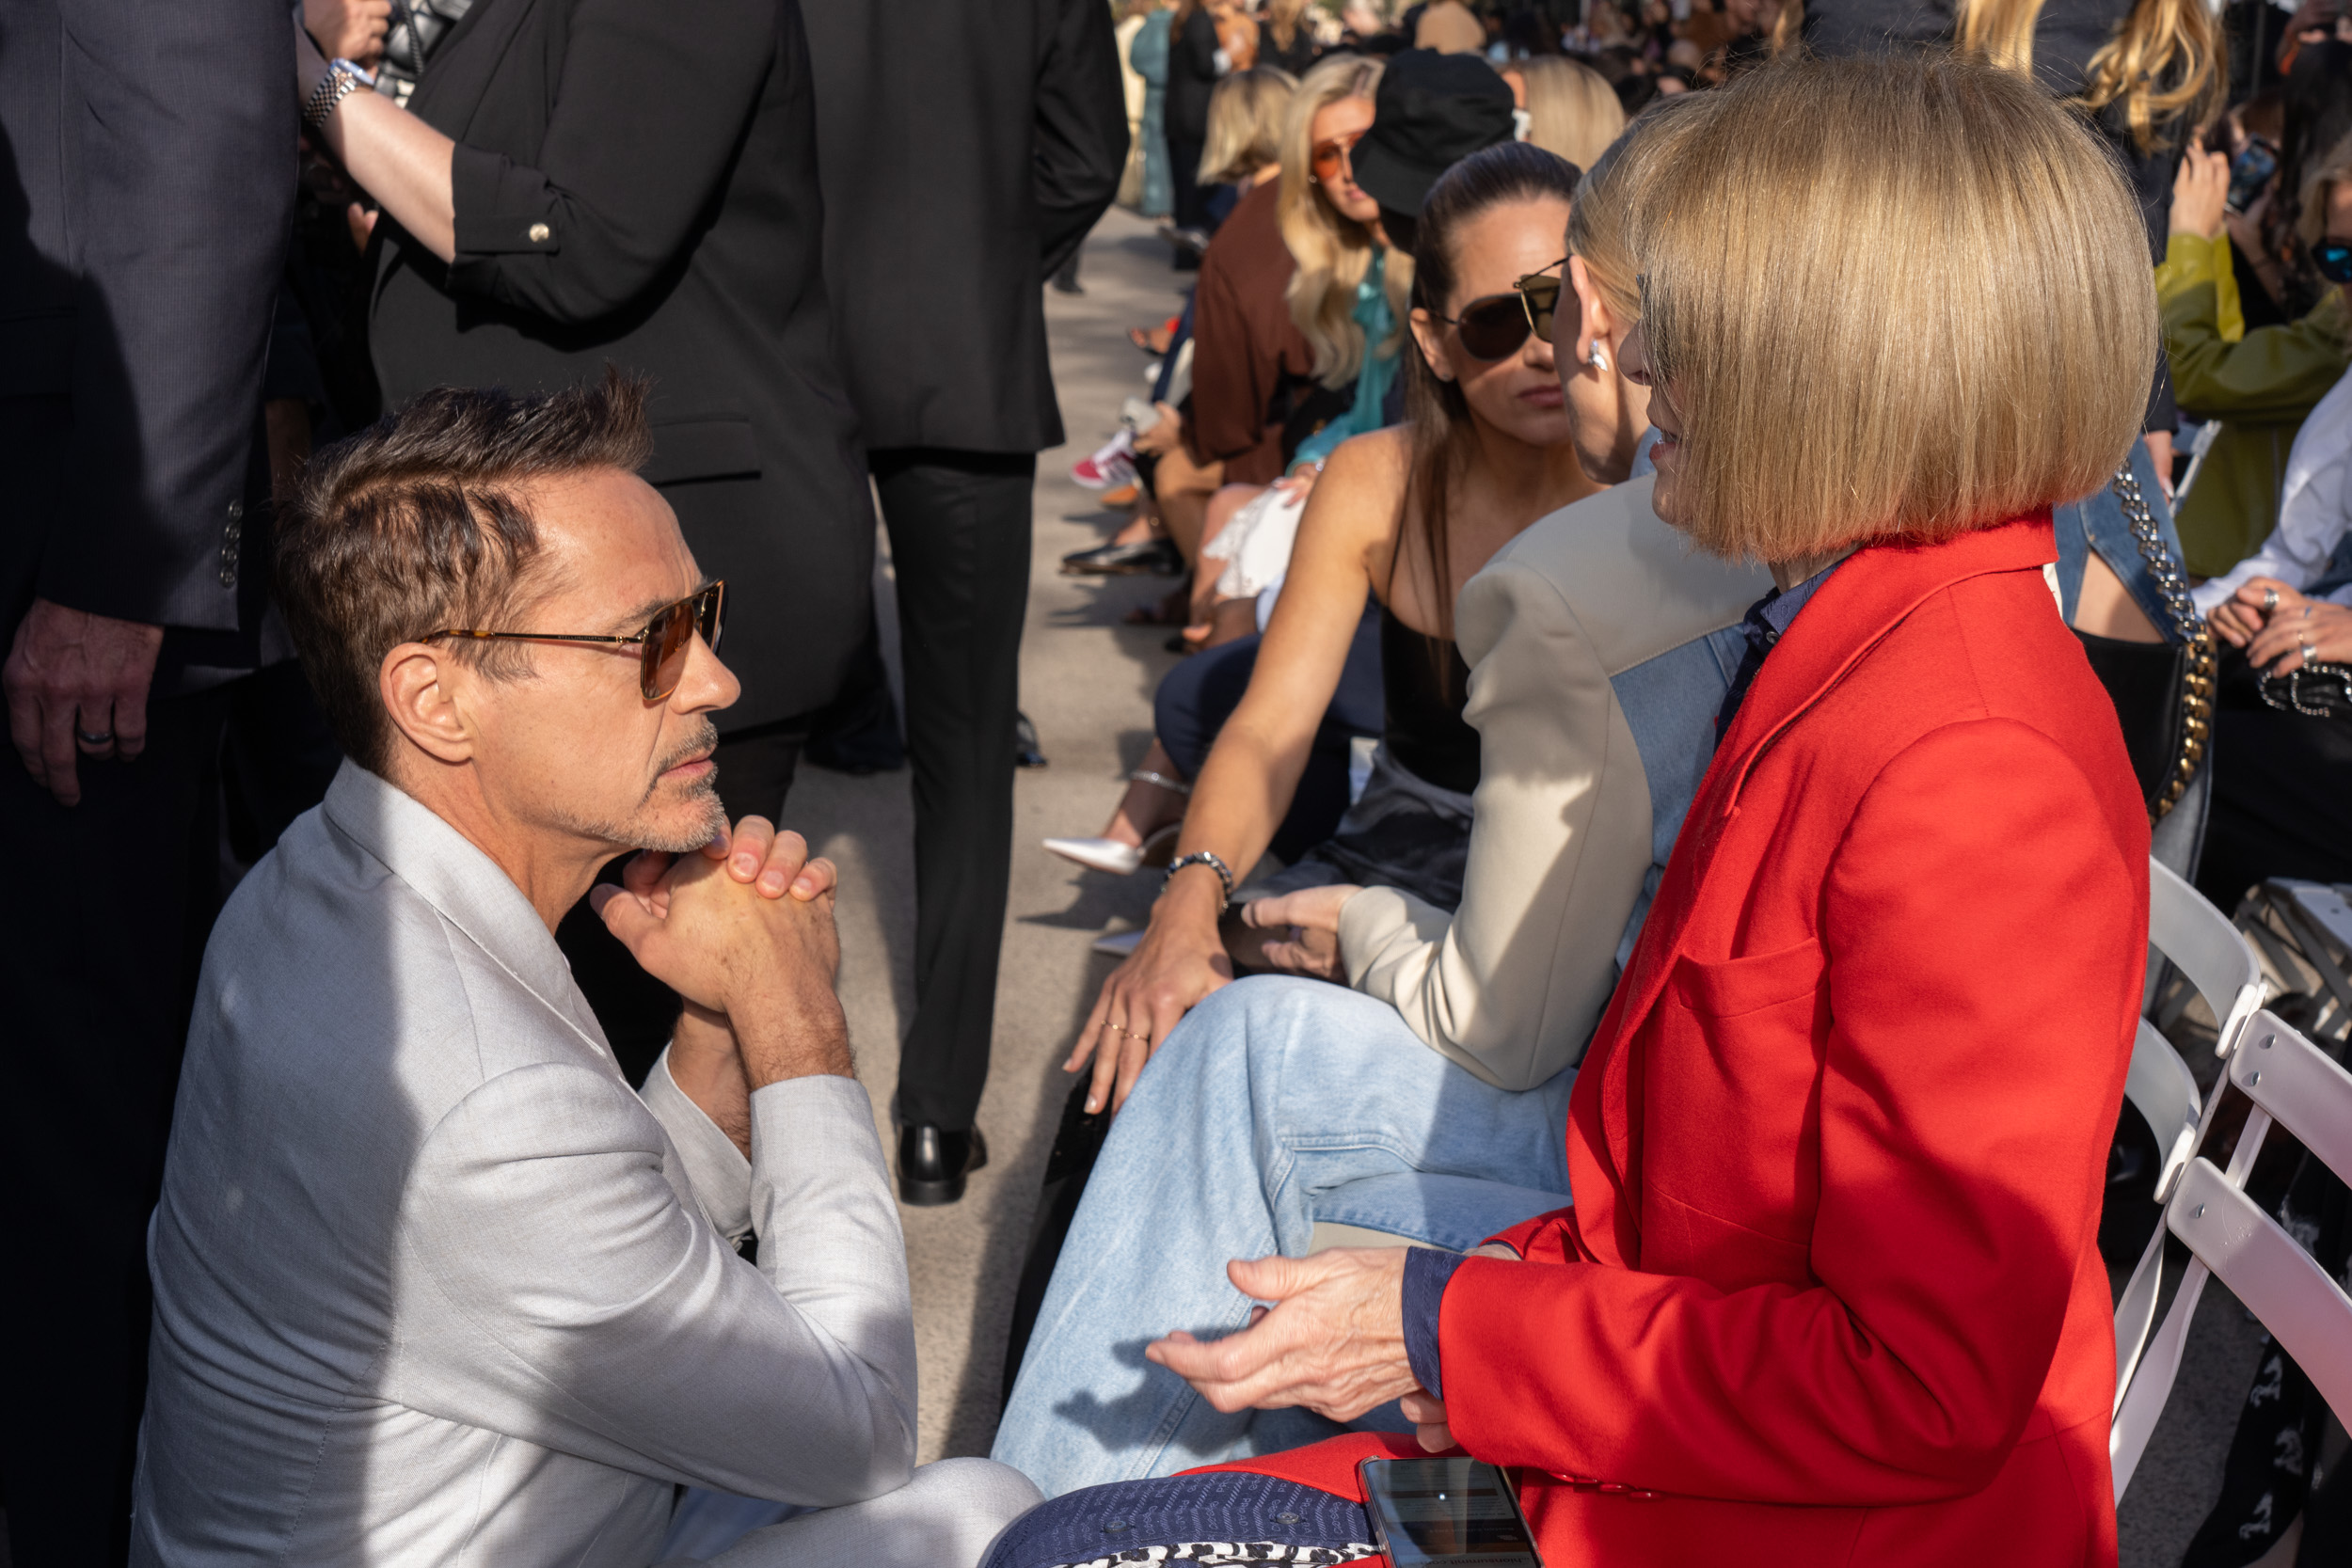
(2196,641)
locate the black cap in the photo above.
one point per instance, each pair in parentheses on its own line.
(1431,112)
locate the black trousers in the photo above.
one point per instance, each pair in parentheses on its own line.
(959,529)
(99,956)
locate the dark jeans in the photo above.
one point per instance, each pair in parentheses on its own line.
(959,529)
(99,955)
(1198,696)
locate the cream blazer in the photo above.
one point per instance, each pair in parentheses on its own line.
(1597,606)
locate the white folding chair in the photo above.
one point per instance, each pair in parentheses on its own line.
(2293,1082)
(2306,926)
(2202,943)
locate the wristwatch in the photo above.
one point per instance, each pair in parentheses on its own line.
(342,80)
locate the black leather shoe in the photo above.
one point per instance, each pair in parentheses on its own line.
(932,1163)
(1119,561)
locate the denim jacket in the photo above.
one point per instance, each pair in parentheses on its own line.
(2096,523)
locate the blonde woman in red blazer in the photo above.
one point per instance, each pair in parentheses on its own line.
(1829,1292)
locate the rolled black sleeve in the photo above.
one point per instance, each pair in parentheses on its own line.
(651,103)
(1081,127)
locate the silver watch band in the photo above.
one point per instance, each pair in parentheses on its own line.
(342,80)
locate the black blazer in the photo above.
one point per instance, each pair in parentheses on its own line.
(636,184)
(1192,77)
(144,204)
(967,148)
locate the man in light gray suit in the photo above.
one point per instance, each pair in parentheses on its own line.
(433,1285)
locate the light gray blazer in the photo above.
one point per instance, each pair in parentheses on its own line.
(434,1286)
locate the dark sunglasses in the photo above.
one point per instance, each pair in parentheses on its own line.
(1496,327)
(1331,157)
(2334,261)
(662,646)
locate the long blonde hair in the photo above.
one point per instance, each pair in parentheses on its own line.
(1571,108)
(1246,124)
(2165,62)
(1333,250)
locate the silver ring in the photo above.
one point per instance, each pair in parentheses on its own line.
(88,739)
(2270,600)
(2309,652)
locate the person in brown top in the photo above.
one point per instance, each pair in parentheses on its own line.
(1245,350)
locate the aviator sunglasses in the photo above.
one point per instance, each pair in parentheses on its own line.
(1495,327)
(1331,158)
(662,646)
(2333,259)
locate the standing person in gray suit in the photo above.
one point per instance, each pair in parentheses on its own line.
(147,179)
(433,1283)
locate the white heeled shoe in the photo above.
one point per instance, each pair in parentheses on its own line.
(1115,857)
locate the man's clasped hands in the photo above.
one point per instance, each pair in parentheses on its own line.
(745,932)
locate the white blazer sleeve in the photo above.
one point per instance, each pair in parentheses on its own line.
(1512,985)
(569,1296)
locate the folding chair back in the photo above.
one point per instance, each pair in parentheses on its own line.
(2205,946)
(2293,1082)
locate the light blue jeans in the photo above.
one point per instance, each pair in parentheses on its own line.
(1277,1103)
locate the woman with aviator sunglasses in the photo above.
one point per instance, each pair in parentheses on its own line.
(1402,516)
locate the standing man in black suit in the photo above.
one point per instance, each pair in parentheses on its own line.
(577,183)
(144,202)
(966,150)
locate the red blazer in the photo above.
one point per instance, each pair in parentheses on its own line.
(1830,1291)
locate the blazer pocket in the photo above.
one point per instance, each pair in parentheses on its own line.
(1750,984)
(717,446)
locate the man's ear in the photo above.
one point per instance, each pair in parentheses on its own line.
(418,694)
(1431,336)
(1595,324)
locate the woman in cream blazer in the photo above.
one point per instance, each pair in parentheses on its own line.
(1284,1112)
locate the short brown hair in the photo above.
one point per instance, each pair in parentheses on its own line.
(1893,298)
(417,523)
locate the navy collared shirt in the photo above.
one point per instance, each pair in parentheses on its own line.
(1766,622)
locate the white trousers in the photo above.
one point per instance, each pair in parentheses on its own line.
(944,1517)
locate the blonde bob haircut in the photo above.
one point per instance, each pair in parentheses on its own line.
(1332,251)
(1931,314)
(1245,115)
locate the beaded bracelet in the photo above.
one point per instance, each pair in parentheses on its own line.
(1203,857)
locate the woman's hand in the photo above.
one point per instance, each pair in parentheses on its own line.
(1311,917)
(1334,1340)
(1180,961)
(2239,618)
(2301,631)
(1161,436)
(351,30)
(2201,192)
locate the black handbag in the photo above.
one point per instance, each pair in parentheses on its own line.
(2163,691)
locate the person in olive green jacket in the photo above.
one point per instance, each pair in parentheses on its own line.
(2259,384)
